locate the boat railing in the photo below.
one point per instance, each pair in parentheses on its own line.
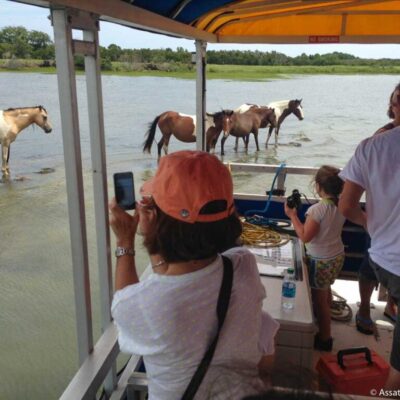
(91,375)
(281,171)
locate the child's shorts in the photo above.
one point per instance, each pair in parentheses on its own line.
(323,272)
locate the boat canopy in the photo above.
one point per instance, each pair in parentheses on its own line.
(254,21)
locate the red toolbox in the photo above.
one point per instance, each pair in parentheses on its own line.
(354,371)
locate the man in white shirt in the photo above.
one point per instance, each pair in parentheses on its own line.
(375,169)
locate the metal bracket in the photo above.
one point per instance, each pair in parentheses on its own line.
(84,47)
(84,21)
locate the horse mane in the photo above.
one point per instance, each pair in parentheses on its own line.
(219,113)
(279,103)
(25,108)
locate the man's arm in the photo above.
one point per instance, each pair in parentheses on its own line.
(349,203)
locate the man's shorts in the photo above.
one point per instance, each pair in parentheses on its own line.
(392,283)
(323,272)
(366,272)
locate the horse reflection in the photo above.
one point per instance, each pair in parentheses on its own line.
(282,108)
(183,127)
(242,124)
(12,122)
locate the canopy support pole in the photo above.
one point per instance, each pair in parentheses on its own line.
(74,180)
(64,21)
(99,171)
(201,48)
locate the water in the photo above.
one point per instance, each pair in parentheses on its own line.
(37,319)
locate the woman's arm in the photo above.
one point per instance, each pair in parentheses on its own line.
(124,227)
(305,232)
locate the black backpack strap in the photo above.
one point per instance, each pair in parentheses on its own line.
(222,307)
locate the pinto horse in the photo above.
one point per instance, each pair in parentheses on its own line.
(242,124)
(183,127)
(282,108)
(12,122)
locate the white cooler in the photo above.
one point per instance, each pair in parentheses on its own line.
(295,338)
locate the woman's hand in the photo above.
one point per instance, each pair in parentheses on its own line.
(123,224)
(290,212)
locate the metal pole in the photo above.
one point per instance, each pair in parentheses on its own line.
(99,167)
(74,180)
(98,152)
(201,48)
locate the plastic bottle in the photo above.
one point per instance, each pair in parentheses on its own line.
(288,289)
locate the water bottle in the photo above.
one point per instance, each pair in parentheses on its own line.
(288,289)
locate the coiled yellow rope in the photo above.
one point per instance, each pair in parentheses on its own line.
(261,236)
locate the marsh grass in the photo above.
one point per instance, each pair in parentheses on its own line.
(214,71)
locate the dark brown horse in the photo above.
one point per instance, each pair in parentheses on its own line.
(183,127)
(242,124)
(283,108)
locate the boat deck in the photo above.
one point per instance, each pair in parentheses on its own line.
(346,335)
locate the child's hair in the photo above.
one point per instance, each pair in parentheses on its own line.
(329,181)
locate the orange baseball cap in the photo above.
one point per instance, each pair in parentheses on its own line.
(186,181)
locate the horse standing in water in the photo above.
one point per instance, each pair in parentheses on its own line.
(12,122)
(282,108)
(183,127)
(242,124)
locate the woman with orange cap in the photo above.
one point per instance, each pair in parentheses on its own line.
(190,228)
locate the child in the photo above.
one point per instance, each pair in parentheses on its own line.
(321,234)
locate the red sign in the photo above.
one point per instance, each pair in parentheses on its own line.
(323,39)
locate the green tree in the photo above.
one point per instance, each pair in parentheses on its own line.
(39,40)
(17,37)
(114,52)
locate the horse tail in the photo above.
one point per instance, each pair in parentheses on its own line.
(150,134)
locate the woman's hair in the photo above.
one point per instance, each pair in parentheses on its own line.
(178,241)
(390,112)
(328,180)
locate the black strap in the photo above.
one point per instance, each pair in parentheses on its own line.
(222,307)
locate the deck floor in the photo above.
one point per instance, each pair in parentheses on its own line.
(346,335)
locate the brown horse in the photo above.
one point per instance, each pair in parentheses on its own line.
(12,122)
(283,108)
(242,124)
(183,127)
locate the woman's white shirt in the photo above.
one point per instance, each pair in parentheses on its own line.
(171,320)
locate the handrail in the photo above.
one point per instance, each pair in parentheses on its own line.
(125,378)
(93,371)
(271,168)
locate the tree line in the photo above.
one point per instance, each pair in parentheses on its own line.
(16,42)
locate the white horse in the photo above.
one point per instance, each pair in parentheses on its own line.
(282,108)
(12,122)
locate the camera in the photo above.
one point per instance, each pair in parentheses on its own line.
(294,200)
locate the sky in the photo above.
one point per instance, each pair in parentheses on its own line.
(36,18)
